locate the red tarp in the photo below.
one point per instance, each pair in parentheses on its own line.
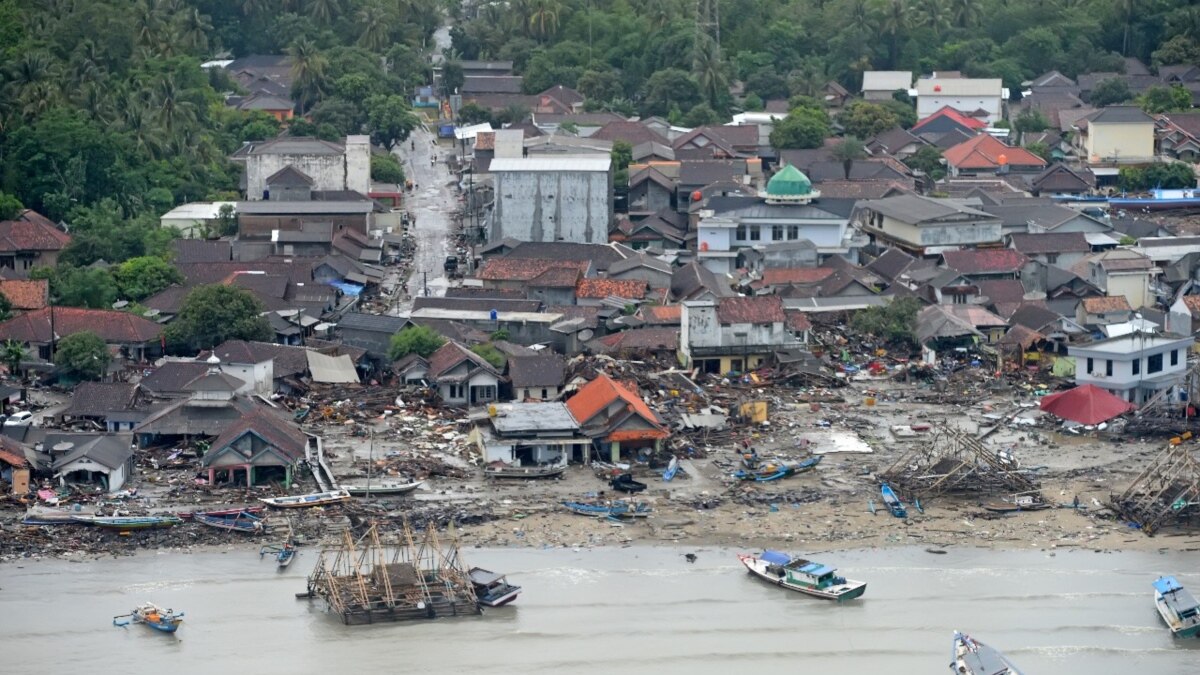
(1086,404)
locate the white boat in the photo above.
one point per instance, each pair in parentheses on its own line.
(975,658)
(382,488)
(491,589)
(300,501)
(803,576)
(1177,607)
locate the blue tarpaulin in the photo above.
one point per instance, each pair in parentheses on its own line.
(776,558)
(347,287)
(1166,584)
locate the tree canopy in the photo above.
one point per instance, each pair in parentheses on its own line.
(213,314)
(82,356)
(419,340)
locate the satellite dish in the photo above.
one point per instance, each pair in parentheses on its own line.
(62,447)
(586,334)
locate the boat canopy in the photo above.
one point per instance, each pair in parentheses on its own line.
(1167,585)
(484,577)
(776,557)
(817,569)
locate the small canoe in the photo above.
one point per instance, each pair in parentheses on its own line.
(45,515)
(131,522)
(301,501)
(509,471)
(223,512)
(382,488)
(151,616)
(772,472)
(617,509)
(284,555)
(242,522)
(626,483)
(892,501)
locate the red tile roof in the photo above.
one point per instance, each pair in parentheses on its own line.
(985,152)
(485,140)
(639,339)
(951,113)
(1115,303)
(31,231)
(602,392)
(629,289)
(524,269)
(556,277)
(798,321)
(983,261)
(12,452)
(795,275)
(26,293)
(664,314)
(763,309)
(112,327)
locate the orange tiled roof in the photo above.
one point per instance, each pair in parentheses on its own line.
(664,313)
(1112,303)
(630,289)
(795,275)
(602,392)
(31,231)
(26,293)
(985,152)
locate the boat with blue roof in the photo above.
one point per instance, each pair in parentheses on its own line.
(1177,606)
(802,575)
(971,657)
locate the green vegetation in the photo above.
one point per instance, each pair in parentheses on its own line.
(848,151)
(1166,175)
(213,314)
(139,278)
(386,169)
(419,340)
(12,353)
(490,354)
(894,322)
(82,356)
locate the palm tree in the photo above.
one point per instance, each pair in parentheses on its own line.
(322,11)
(138,122)
(860,16)
(709,70)
(30,69)
(375,30)
(96,100)
(848,151)
(965,12)
(173,112)
(894,22)
(254,7)
(11,354)
(543,19)
(193,30)
(934,15)
(660,12)
(810,77)
(38,98)
(308,71)
(148,24)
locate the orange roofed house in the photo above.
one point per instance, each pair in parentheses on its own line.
(137,338)
(30,240)
(984,154)
(612,413)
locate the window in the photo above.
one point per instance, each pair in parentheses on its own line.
(1108,368)
(456,391)
(1090,363)
(776,233)
(793,232)
(1154,363)
(960,298)
(1137,366)
(485,393)
(755,233)
(1174,357)
(545,394)
(740,234)
(1051,258)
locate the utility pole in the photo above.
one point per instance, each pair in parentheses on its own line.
(425,281)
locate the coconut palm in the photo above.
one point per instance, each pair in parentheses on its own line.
(894,22)
(660,12)
(38,98)
(373,19)
(193,30)
(148,24)
(96,100)
(174,113)
(308,71)
(322,11)
(254,7)
(709,70)
(30,69)
(932,14)
(138,121)
(965,13)
(543,17)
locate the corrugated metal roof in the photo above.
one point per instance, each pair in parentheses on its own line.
(588,163)
(301,208)
(964,86)
(197,210)
(335,369)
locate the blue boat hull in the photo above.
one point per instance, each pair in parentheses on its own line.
(892,501)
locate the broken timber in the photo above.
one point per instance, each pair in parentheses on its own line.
(367,581)
(1167,490)
(954,461)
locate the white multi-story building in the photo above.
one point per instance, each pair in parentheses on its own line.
(552,199)
(331,166)
(966,95)
(1135,366)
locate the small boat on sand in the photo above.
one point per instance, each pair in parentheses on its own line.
(616,509)
(803,576)
(284,555)
(501,470)
(970,657)
(153,616)
(241,522)
(300,501)
(892,501)
(770,471)
(626,483)
(47,515)
(1018,503)
(382,488)
(1177,607)
(492,589)
(223,512)
(125,523)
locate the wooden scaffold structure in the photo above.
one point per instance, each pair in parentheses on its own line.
(369,581)
(1167,491)
(954,461)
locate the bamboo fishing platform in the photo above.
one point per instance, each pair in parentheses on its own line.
(367,581)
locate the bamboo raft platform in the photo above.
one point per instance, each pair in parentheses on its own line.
(368,581)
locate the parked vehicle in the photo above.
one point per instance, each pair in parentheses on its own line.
(19,418)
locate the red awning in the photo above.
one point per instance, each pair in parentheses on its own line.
(1086,404)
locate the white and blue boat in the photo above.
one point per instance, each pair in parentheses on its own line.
(892,501)
(1177,607)
(616,509)
(152,616)
(971,657)
(803,576)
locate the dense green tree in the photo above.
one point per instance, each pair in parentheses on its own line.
(490,354)
(1165,175)
(670,87)
(599,85)
(452,77)
(390,120)
(213,314)
(802,128)
(1157,100)
(473,113)
(10,207)
(139,278)
(864,119)
(701,115)
(894,322)
(79,286)
(386,169)
(622,156)
(1031,120)
(82,356)
(1110,91)
(12,353)
(420,340)
(848,151)
(928,159)
(5,308)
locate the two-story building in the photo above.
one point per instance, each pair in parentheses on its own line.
(733,334)
(1120,272)
(1135,366)
(923,225)
(1119,134)
(981,98)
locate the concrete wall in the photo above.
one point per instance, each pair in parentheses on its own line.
(259,377)
(1123,382)
(1135,288)
(927,104)
(1120,142)
(358,164)
(715,236)
(349,171)
(573,206)
(523,393)
(649,196)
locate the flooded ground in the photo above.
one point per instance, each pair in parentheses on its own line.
(611,610)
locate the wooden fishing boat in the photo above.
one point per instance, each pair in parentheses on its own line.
(152,616)
(803,576)
(131,522)
(892,501)
(971,657)
(46,515)
(1177,607)
(223,512)
(1019,503)
(617,509)
(492,589)
(771,472)
(301,501)
(672,470)
(241,522)
(510,471)
(626,483)
(382,488)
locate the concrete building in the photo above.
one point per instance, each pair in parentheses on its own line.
(528,434)
(1135,366)
(733,334)
(106,459)
(462,376)
(1119,134)
(879,85)
(974,97)
(331,166)
(1120,272)
(924,226)
(194,218)
(552,199)
(787,211)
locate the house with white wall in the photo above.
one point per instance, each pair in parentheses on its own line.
(734,334)
(1120,272)
(981,98)
(1135,366)
(331,166)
